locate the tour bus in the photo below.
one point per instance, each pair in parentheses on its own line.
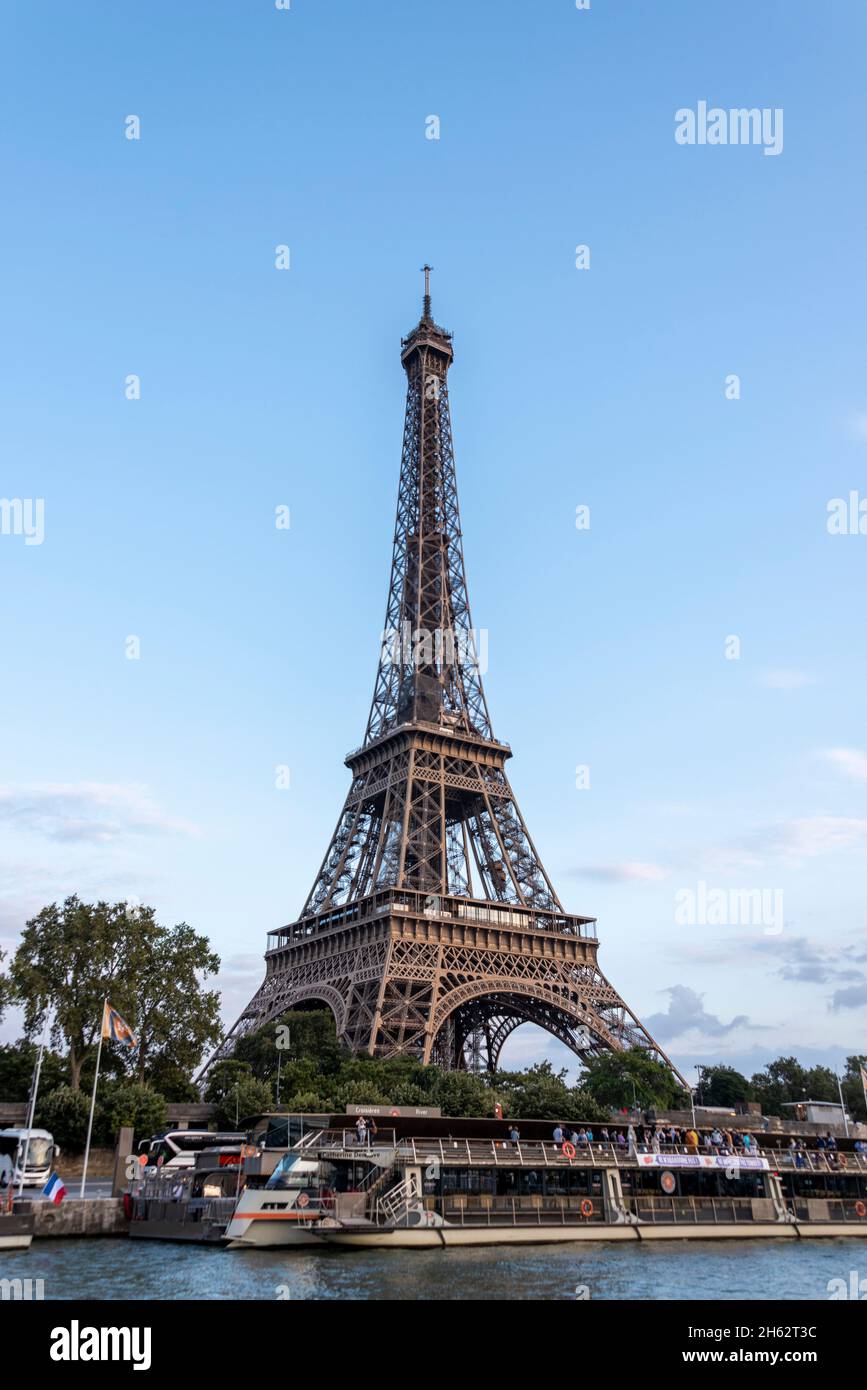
(32,1148)
(177,1148)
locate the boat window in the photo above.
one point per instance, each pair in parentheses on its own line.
(291,1176)
(280,1176)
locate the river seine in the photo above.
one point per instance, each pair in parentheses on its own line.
(107,1269)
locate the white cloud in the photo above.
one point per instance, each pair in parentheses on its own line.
(853,997)
(92,812)
(813,836)
(858,425)
(631,871)
(785,680)
(686,1014)
(809,837)
(850,761)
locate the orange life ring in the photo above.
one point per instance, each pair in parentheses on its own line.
(587,1207)
(569,1149)
(860,1209)
(303,1200)
(841,1161)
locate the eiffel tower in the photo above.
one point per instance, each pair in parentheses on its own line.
(432,927)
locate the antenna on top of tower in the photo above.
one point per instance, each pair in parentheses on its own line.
(427,270)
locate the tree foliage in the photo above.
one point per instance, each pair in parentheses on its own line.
(541,1093)
(785,1081)
(236,1093)
(17,1063)
(615,1078)
(128,1103)
(72,957)
(63,1112)
(722,1085)
(317,1075)
(853,1087)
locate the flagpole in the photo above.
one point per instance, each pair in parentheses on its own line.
(31,1111)
(843,1105)
(93,1098)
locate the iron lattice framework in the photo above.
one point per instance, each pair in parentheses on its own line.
(432,927)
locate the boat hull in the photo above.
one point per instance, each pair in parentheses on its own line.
(16,1231)
(191,1233)
(444,1237)
(258,1236)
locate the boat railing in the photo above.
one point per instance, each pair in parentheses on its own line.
(396,1202)
(659,1210)
(542,1153)
(163,1206)
(817,1161)
(546,1153)
(347,1141)
(470,1210)
(827,1209)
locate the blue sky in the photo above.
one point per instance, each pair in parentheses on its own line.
(603,387)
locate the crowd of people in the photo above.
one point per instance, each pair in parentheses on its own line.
(656,1139)
(659,1138)
(662,1138)
(825,1144)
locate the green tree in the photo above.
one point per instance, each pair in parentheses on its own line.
(722,1085)
(309,1103)
(63,1112)
(405,1093)
(128,1103)
(853,1087)
(461,1093)
(17,1063)
(822,1085)
(72,957)
(296,1037)
(783,1080)
(541,1093)
(176,1017)
(172,1081)
(236,1093)
(359,1093)
(613,1078)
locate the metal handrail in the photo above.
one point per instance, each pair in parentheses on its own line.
(694,1210)
(544,1153)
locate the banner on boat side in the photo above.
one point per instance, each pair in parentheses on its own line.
(397,1112)
(701,1161)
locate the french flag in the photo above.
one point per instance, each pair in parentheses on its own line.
(54,1189)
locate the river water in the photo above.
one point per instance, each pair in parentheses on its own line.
(754,1269)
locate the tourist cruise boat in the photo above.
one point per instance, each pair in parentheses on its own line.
(425,1190)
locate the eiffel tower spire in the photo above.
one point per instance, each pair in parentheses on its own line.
(429,668)
(430,806)
(432,922)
